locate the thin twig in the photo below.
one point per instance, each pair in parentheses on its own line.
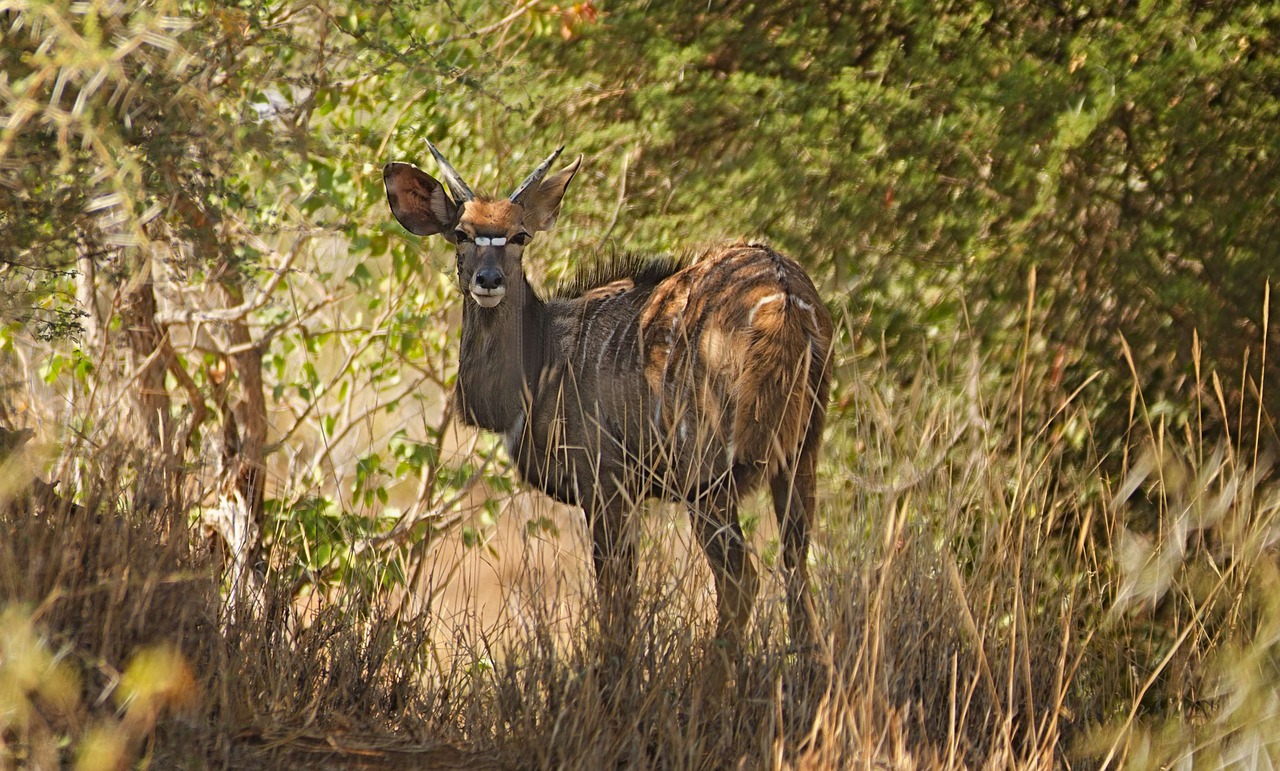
(497,25)
(242,310)
(404,526)
(622,196)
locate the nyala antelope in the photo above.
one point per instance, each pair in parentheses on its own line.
(691,383)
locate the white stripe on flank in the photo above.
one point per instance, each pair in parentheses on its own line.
(808,307)
(606,346)
(773,298)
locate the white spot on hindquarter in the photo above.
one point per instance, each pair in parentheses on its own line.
(763,301)
(607,345)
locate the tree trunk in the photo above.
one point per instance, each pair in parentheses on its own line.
(146,341)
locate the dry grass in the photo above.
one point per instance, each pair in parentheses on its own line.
(992,599)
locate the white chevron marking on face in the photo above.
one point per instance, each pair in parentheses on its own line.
(486,241)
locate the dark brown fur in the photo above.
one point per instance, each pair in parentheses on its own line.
(692,383)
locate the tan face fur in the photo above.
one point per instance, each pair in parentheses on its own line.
(490,238)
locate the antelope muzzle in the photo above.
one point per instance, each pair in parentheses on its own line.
(488,283)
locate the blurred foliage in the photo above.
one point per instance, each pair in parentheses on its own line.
(1198,596)
(923,157)
(42,713)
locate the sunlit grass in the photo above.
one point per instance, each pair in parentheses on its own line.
(992,592)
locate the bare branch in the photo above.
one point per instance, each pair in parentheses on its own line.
(263,296)
(497,25)
(199,412)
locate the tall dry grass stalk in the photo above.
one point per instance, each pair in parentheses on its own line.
(991,596)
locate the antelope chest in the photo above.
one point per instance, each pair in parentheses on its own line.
(540,446)
(576,439)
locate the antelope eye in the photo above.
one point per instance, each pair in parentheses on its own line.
(520,239)
(461,236)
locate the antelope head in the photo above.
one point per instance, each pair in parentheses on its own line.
(488,234)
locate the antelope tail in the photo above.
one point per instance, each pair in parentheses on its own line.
(780,384)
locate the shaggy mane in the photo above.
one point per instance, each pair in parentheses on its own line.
(644,270)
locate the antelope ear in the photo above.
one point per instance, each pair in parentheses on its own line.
(542,204)
(418,201)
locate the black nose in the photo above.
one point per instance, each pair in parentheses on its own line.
(488,278)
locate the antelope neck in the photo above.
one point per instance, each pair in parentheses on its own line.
(501,358)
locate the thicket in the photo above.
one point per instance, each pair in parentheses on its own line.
(1048,232)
